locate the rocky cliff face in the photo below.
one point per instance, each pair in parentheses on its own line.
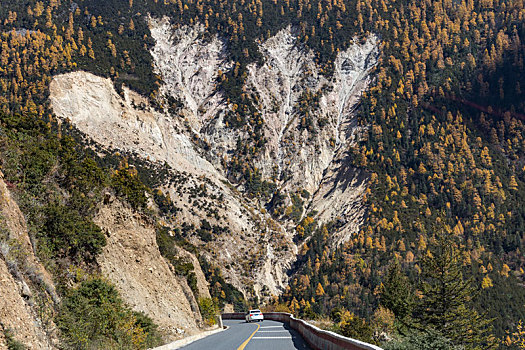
(308,125)
(203,290)
(189,62)
(132,261)
(304,138)
(308,122)
(26,289)
(18,312)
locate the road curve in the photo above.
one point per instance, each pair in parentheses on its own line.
(252,336)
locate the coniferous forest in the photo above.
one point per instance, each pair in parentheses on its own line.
(438,262)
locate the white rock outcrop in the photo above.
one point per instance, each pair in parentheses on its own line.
(288,73)
(298,158)
(126,123)
(189,64)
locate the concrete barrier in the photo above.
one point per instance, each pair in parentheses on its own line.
(318,339)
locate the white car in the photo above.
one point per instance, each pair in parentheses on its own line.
(254,315)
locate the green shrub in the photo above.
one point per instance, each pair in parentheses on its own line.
(37,160)
(79,170)
(222,292)
(430,340)
(94,316)
(208,310)
(191,278)
(357,328)
(153,337)
(128,185)
(66,233)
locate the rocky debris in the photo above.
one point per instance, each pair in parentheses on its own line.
(132,262)
(303,146)
(16,226)
(297,156)
(228,308)
(3,342)
(126,123)
(278,84)
(339,197)
(189,62)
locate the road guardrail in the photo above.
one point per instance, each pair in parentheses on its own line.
(318,339)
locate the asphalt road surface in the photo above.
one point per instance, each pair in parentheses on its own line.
(240,335)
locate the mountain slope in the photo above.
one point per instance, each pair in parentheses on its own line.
(188,68)
(301,146)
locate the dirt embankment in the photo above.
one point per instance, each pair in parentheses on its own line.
(132,261)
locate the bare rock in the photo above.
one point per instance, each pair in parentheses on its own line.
(17,315)
(132,261)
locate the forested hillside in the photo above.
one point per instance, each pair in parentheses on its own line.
(442,149)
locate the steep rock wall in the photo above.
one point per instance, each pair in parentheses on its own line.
(127,123)
(132,261)
(189,62)
(22,279)
(17,314)
(308,120)
(202,285)
(282,83)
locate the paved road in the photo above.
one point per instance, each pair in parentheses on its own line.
(251,336)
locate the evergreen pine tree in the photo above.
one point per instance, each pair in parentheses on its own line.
(397,294)
(447,298)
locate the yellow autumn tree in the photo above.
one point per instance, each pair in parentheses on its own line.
(319,291)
